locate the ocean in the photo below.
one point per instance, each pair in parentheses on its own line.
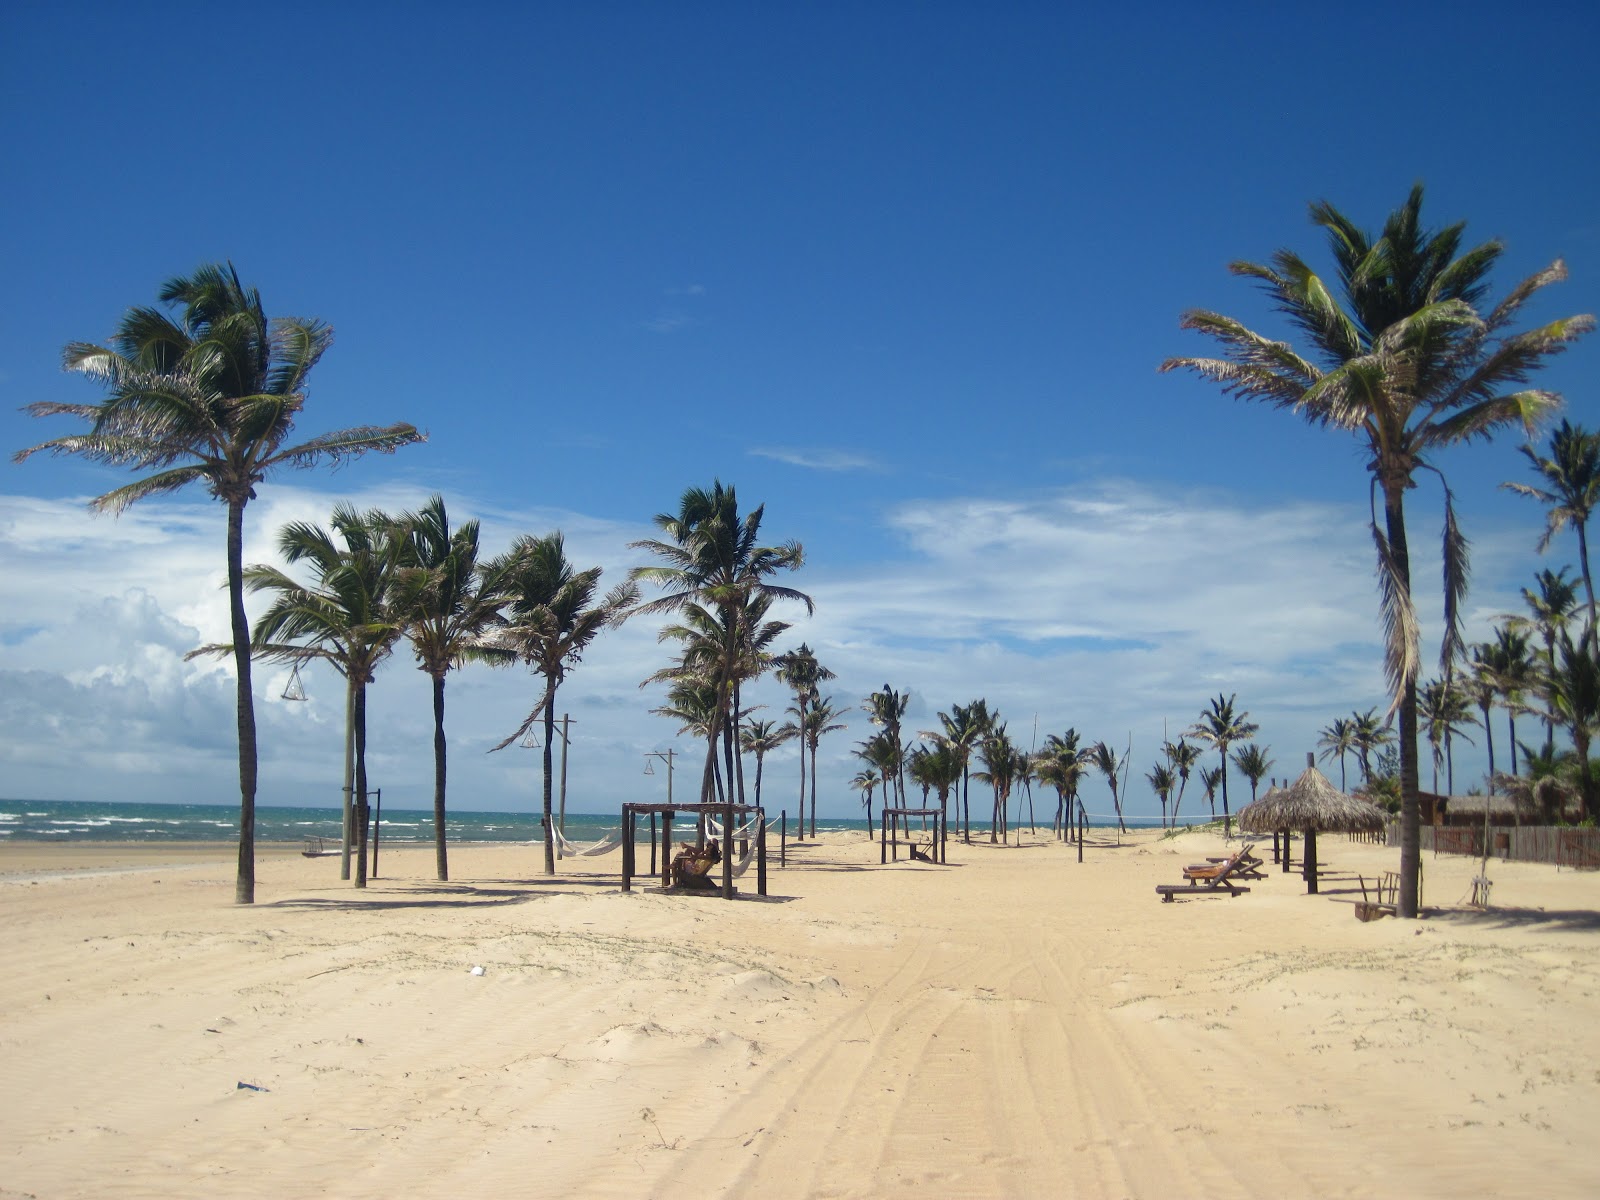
(110,821)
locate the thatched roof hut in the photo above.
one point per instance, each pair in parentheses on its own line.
(1312,805)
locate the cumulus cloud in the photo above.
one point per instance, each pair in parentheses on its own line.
(1111,606)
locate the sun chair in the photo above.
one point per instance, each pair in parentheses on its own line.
(1208,879)
(1249,865)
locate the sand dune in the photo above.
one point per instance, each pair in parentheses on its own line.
(1012,1024)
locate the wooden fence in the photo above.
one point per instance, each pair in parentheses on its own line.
(1565,847)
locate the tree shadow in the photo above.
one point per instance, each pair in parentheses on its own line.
(1564,920)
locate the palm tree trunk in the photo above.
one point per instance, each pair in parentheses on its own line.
(1588,583)
(1488,741)
(966,807)
(1410,784)
(1511,725)
(549,773)
(244,891)
(800,705)
(1227,819)
(348,789)
(813,743)
(440,860)
(1449,764)
(360,729)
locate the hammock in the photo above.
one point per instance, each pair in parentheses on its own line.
(605,845)
(747,830)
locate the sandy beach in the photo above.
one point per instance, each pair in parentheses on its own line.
(1014,1023)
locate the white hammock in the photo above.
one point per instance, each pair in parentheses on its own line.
(742,863)
(605,845)
(747,830)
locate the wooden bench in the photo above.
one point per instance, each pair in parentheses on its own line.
(1383,900)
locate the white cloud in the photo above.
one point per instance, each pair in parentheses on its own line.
(820,459)
(1110,606)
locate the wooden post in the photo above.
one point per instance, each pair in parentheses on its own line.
(377,830)
(883,837)
(783,837)
(1311,862)
(652,845)
(727,848)
(1285,852)
(666,849)
(761,853)
(627,848)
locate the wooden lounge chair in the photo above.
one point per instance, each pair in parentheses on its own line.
(1248,865)
(1209,879)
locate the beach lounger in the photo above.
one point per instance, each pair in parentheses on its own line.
(1210,879)
(1249,864)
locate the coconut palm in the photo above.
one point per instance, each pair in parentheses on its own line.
(886,709)
(881,756)
(1210,777)
(1575,693)
(1338,739)
(1221,725)
(1399,355)
(714,558)
(801,672)
(448,605)
(999,754)
(1551,604)
(1162,781)
(1444,710)
(1253,764)
(1181,757)
(553,613)
(1513,676)
(345,618)
(1368,732)
(760,738)
(1106,761)
(210,397)
(866,782)
(1062,765)
(935,767)
(962,728)
(1482,687)
(819,720)
(1571,475)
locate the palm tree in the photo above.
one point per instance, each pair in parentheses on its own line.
(1162,781)
(820,720)
(211,398)
(448,604)
(1575,691)
(343,617)
(1572,489)
(881,756)
(1108,764)
(1339,738)
(999,754)
(1514,675)
(715,559)
(1368,732)
(761,737)
(800,671)
(1551,603)
(962,728)
(1062,765)
(1254,764)
(1401,357)
(866,782)
(1483,687)
(1209,778)
(552,615)
(1443,709)
(886,708)
(1181,756)
(1221,726)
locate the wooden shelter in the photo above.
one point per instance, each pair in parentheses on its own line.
(726,813)
(1312,805)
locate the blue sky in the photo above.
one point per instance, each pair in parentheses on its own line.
(901,272)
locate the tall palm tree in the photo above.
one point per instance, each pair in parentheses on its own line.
(1162,781)
(962,728)
(1338,738)
(1571,475)
(1062,764)
(819,720)
(865,781)
(1482,686)
(1253,764)
(1107,762)
(880,755)
(886,709)
(760,738)
(1368,732)
(1443,708)
(999,754)
(448,604)
(1401,357)
(1181,757)
(1221,725)
(936,767)
(209,397)
(804,675)
(1210,777)
(1513,677)
(553,613)
(693,703)
(343,617)
(1575,691)
(714,558)
(1551,603)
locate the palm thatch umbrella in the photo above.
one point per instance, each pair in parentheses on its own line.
(1313,805)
